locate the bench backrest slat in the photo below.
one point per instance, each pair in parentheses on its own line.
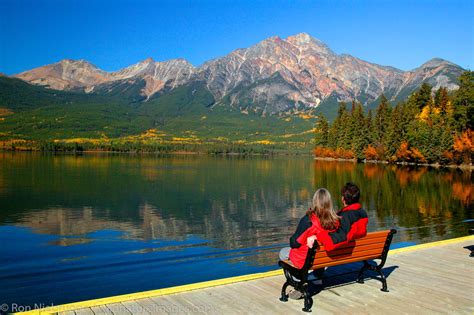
(348,251)
(372,246)
(346,261)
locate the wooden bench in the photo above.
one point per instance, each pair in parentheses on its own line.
(374,245)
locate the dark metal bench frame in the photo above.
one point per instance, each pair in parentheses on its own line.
(291,272)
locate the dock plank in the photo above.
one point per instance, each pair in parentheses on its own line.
(424,281)
(135,308)
(101,310)
(84,311)
(118,308)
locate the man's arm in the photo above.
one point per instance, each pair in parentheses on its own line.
(340,235)
(348,218)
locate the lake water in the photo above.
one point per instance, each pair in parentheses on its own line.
(81,227)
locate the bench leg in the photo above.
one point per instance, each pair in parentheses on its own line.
(383,279)
(308,301)
(284,296)
(378,269)
(360,277)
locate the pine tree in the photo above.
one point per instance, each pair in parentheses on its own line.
(359,141)
(369,127)
(463,111)
(322,131)
(394,132)
(337,130)
(346,131)
(423,96)
(441,100)
(381,119)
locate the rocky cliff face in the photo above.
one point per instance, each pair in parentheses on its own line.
(157,75)
(275,75)
(72,75)
(66,75)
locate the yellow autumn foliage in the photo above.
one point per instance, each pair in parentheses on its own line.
(265,142)
(425,113)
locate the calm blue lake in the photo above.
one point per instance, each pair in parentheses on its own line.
(74,228)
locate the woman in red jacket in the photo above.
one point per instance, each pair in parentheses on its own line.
(319,220)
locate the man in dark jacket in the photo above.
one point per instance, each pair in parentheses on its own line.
(354,219)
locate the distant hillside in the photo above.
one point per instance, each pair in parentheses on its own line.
(183,114)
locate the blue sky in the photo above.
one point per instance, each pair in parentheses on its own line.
(115,34)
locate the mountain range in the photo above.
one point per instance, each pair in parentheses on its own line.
(271,92)
(275,76)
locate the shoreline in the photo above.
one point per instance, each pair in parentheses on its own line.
(269,152)
(435,165)
(272,153)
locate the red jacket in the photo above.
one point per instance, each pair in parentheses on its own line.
(307,227)
(353,225)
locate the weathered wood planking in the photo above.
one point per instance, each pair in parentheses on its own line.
(424,281)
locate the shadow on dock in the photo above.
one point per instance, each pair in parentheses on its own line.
(344,275)
(471,248)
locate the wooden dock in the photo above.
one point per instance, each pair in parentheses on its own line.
(425,279)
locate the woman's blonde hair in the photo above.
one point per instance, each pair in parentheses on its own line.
(324,210)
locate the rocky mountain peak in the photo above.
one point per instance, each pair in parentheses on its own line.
(300,39)
(275,75)
(306,42)
(435,62)
(77,63)
(148,60)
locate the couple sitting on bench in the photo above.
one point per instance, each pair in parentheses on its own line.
(331,229)
(341,238)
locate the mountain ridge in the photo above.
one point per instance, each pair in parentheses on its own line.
(311,71)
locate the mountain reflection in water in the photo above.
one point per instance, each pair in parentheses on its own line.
(82,227)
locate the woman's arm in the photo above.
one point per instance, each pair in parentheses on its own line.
(303,225)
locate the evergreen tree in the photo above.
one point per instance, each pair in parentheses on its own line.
(346,131)
(394,132)
(441,100)
(337,133)
(358,131)
(369,127)
(423,96)
(322,131)
(381,119)
(463,111)
(353,106)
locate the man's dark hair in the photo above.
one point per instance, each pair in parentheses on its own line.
(350,193)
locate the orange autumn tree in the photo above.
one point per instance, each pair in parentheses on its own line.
(371,153)
(407,154)
(403,153)
(464,146)
(417,156)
